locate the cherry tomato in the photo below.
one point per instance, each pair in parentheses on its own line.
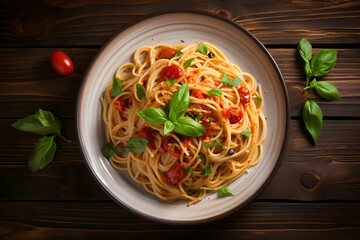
(226,113)
(61,63)
(216,84)
(244,96)
(146,133)
(167,53)
(175,174)
(197,93)
(120,105)
(171,72)
(167,146)
(235,115)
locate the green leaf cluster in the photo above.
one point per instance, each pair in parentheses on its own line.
(317,66)
(175,119)
(47,125)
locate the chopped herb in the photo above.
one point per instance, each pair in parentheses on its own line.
(108,150)
(206,171)
(258,100)
(209,122)
(171,82)
(141,92)
(188,62)
(178,53)
(116,87)
(207,145)
(215,92)
(228,82)
(194,116)
(246,133)
(225,191)
(198,117)
(218,144)
(202,48)
(189,170)
(202,157)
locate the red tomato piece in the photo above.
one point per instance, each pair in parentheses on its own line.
(226,113)
(167,53)
(235,115)
(175,174)
(171,72)
(216,84)
(146,133)
(195,72)
(244,96)
(61,63)
(120,105)
(169,148)
(211,127)
(186,143)
(205,136)
(197,93)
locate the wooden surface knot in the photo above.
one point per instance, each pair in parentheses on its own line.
(310,181)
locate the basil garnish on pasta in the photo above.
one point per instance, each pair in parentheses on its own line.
(228,82)
(202,48)
(116,87)
(141,92)
(137,145)
(225,191)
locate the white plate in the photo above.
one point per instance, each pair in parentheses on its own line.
(241,48)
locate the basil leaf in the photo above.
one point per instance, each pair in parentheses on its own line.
(207,145)
(137,145)
(166,108)
(189,170)
(116,87)
(202,48)
(141,92)
(258,100)
(43,153)
(108,150)
(327,91)
(42,122)
(153,115)
(179,102)
(168,127)
(206,172)
(322,63)
(178,53)
(217,143)
(225,191)
(202,158)
(308,71)
(232,83)
(312,117)
(215,92)
(171,82)
(246,133)
(188,62)
(313,83)
(305,49)
(189,127)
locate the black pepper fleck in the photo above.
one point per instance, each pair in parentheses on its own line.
(231,152)
(211,55)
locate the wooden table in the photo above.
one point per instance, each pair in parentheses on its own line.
(314,195)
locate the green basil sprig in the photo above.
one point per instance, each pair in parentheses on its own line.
(171,82)
(108,150)
(246,133)
(178,53)
(206,172)
(312,117)
(175,119)
(317,66)
(225,191)
(228,82)
(188,62)
(43,123)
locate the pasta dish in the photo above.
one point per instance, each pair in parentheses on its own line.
(183,120)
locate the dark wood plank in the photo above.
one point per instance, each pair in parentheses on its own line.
(328,171)
(92,22)
(273,220)
(28,82)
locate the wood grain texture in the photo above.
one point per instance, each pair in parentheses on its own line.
(273,220)
(334,160)
(28,82)
(80,23)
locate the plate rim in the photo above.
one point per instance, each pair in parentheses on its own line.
(181,222)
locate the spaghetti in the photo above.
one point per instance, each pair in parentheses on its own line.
(223,111)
